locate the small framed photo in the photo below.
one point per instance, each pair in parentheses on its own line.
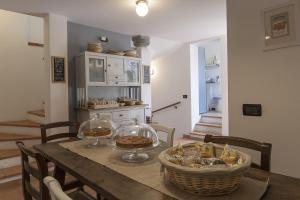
(281,27)
(146,74)
(58,69)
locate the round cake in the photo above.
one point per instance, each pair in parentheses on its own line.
(134,142)
(97,132)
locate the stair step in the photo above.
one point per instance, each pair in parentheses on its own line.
(40,112)
(194,137)
(211,116)
(197,136)
(4,137)
(210,125)
(10,172)
(17,170)
(9,153)
(202,133)
(21,123)
(198,133)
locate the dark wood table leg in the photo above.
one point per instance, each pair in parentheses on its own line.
(59,175)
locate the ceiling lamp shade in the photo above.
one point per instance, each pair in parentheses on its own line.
(142,8)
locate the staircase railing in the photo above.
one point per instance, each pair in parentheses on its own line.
(168,106)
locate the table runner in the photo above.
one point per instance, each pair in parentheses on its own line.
(148,173)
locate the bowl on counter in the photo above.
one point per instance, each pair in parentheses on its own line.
(129,102)
(139,103)
(121,104)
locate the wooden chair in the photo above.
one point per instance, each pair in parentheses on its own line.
(74,126)
(169,131)
(263,148)
(28,171)
(50,137)
(55,136)
(57,193)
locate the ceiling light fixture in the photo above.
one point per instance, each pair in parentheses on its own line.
(142,8)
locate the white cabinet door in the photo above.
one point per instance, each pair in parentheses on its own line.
(115,71)
(96,70)
(132,71)
(119,116)
(138,115)
(115,66)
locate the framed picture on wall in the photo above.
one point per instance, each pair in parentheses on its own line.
(58,69)
(146,74)
(281,27)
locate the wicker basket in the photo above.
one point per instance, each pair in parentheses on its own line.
(205,181)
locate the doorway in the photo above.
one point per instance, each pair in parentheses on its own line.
(210,89)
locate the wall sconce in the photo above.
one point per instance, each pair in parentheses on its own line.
(152,71)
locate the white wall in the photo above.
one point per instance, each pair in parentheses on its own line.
(21,66)
(56,45)
(269,78)
(146,88)
(170,81)
(160,47)
(194,85)
(224,84)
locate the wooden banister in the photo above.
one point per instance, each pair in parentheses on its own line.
(168,106)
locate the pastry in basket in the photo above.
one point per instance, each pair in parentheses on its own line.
(177,150)
(206,150)
(229,155)
(176,159)
(134,141)
(97,132)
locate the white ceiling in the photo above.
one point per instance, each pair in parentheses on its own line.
(178,20)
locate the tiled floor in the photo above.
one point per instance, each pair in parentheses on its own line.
(183,141)
(13,190)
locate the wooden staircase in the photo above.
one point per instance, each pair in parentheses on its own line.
(209,123)
(25,130)
(36,116)
(21,123)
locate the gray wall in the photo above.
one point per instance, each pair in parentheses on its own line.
(78,37)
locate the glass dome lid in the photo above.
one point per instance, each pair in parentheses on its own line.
(132,136)
(98,126)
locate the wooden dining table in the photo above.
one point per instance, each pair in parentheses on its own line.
(113,185)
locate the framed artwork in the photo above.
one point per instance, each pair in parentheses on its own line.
(58,69)
(281,27)
(146,74)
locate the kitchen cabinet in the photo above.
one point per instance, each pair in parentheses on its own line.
(119,115)
(108,70)
(97,70)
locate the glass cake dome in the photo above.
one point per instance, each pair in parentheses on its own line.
(99,129)
(134,141)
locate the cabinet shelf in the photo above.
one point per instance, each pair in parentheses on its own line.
(212,83)
(212,67)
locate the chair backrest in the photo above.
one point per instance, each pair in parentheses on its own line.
(28,171)
(55,189)
(53,136)
(263,148)
(169,131)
